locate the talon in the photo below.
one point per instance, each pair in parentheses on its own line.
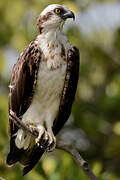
(52,145)
(44,138)
(38,144)
(45,141)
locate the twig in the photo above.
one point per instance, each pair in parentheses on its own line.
(60,145)
(22,125)
(77,157)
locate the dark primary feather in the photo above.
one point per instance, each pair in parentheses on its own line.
(24,79)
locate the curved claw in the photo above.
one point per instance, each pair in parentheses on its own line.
(52,145)
(46,140)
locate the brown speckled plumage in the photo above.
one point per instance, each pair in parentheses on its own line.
(23,87)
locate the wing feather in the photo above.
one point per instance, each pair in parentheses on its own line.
(22,85)
(69,89)
(23,80)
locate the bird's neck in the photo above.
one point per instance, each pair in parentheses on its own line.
(51,31)
(50,28)
(51,38)
(54,46)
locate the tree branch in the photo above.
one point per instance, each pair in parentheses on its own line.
(77,157)
(60,145)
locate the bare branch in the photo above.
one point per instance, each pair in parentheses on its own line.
(77,157)
(60,145)
(21,125)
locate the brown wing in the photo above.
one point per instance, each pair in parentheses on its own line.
(23,82)
(69,89)
(22,85)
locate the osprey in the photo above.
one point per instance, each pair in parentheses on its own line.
(42,88)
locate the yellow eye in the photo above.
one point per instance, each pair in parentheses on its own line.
(57,11)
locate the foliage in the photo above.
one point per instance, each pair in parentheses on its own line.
(94,126)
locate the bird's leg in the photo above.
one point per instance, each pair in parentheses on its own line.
(45,139)
(44,136)
(41,134)
(52,139)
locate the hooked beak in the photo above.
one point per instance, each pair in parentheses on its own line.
(68,14)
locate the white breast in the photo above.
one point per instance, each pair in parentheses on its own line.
(46,100)
(47,95)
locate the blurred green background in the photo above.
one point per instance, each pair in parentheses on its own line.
(94,125)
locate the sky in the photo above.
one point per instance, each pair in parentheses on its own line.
(99,16)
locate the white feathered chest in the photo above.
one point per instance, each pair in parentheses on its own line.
(51,75)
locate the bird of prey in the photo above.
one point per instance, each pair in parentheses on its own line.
(42,88)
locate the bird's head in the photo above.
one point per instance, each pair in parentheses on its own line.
(53,17)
